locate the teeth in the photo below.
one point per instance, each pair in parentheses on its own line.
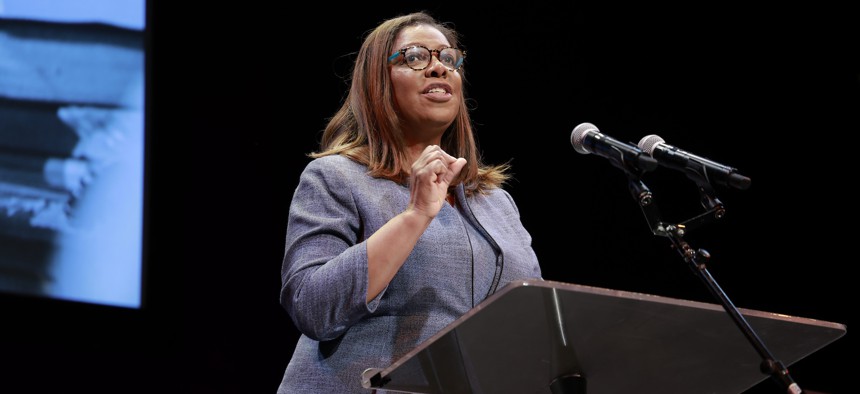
(436,90)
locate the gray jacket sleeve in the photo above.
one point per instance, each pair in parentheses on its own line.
(324,271)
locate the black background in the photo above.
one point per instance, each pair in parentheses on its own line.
(240,93)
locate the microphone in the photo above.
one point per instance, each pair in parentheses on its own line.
(672,157)
(586,138)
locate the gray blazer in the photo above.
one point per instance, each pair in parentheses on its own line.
(464,255)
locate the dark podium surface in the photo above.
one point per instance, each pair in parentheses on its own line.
(531,332)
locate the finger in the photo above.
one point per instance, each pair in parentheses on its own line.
(437,151)
(448,158)
(430,172)
(453,170)
(430,153)
(457,166)
(439,168)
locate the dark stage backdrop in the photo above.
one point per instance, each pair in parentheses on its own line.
(243,91)
(771,91)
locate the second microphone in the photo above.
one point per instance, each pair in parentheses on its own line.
(697,166)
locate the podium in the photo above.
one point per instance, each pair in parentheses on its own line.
(537,336)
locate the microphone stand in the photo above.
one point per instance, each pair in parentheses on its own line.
(697,260)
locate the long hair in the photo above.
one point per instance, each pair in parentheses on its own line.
(366,127)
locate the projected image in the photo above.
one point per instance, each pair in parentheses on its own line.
(71,149)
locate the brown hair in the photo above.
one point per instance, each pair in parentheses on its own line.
(366,127)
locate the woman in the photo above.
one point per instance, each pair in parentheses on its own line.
(396,228)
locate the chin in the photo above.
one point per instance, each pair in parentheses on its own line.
(441,119)
(442,124)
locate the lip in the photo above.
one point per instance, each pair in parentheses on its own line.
(437,85)
(437,96)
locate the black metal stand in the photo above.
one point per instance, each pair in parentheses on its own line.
(698,258)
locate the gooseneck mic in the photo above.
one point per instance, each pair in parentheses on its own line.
(711,171)
(586,138)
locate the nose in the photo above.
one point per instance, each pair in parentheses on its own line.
(436,69)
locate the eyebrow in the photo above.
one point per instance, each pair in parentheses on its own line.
(413,44)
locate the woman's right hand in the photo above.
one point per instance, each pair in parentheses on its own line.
(432,173)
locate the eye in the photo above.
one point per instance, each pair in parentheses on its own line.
(415,55)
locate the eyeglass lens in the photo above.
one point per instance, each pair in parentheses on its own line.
(420,57)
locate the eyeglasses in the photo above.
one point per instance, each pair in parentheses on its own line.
(419,57)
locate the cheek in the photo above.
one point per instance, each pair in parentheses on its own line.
(401,79)
(404,88)
(457,82)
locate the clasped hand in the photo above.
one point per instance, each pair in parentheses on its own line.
(432,173)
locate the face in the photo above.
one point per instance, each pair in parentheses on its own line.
(427,100)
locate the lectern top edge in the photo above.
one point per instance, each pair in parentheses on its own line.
(655,298)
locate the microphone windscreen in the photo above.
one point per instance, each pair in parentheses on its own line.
(649,142)
(578,136)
